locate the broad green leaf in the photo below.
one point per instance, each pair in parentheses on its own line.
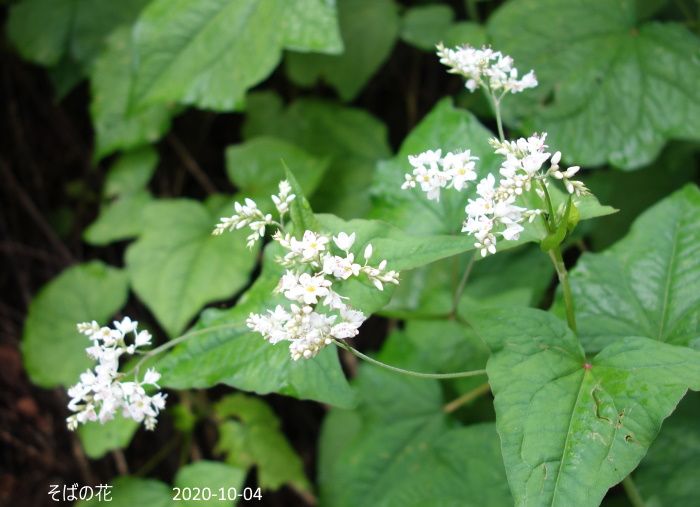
(119,219)
(465,32)
(231,354)
(634,192)
(132,491)
(666,475)
(369,29)
(208,53)
(216,476)
(98,439)
(450,129)
(131,172)
(399,448)
(647,283)
(124,198)
(572,427)
(612,89)
(256,439)
(116,127)
(46,30)
(53,350)
(257,166)
(426,25)
(311,25)
(177,266)
(352,139)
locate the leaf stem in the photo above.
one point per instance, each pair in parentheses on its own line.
(633,493)
(462,285)
(411,373)
(563,275)
(466,398)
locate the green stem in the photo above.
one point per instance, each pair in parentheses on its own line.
(550,208)
(411,373)
(563,275)
(462,285)
(499,121)
(466,398)
(632,492)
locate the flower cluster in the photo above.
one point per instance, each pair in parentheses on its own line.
(485,67)
(248,215)
(494,211)
(434,172)
(317,314)
(101,393)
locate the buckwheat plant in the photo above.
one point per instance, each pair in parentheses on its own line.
(499,208)
(316,315)
(102,391)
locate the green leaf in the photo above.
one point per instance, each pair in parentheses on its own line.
(646,284)
(119,220)
(572,427)
(425,25)
(666,474)
(369,29)
(131,172)
(258,441)
(124,198)
(257,166)
(53,350)
(208,53)
(177,266)
(465,32)
(311,25)
(399,448)
(634,192)
(45,30)
(209,474)
(300,211)
(352,139)
(116,127)
(98,439)
(554,239)
(132,491)
(615,90)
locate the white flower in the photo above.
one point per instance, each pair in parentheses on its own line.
(460,168)
(344,241)
(318,314)
(308,289)
(100,393)
(312,245)
(151,377)
(142,338)
(284,198)
(126,325)
(485,67)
